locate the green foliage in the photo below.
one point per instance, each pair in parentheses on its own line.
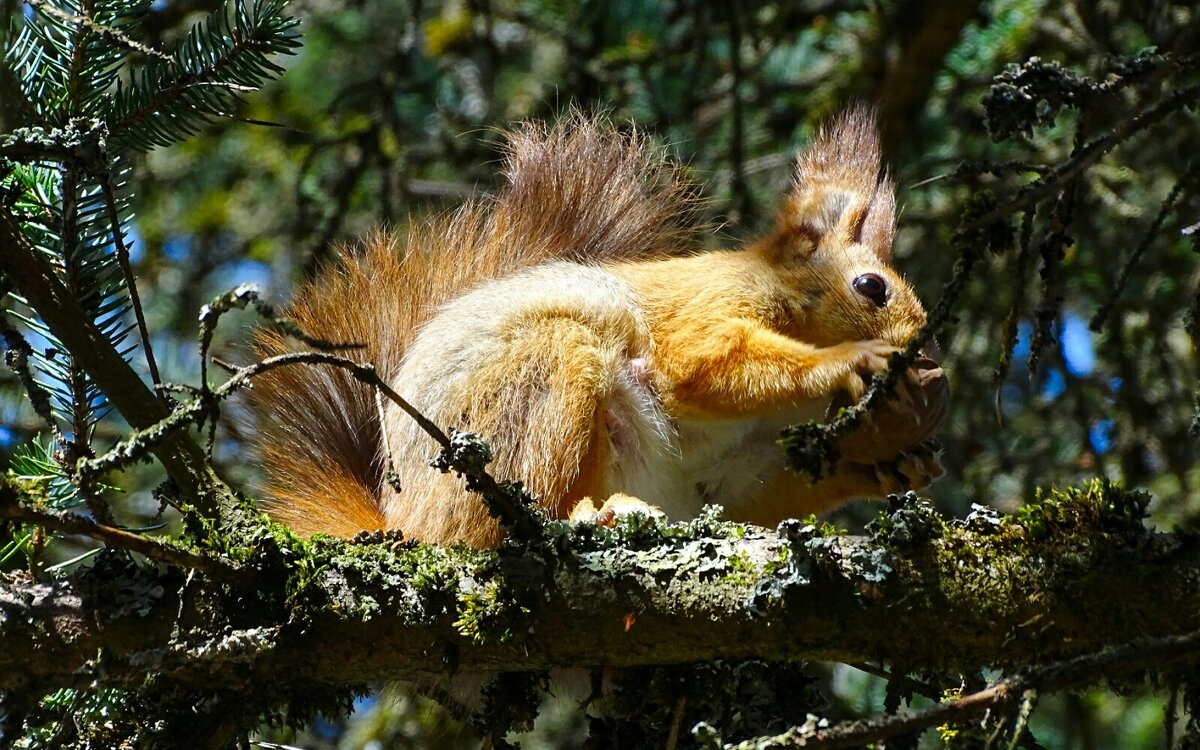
(84,103)
(64,64)
(392,110)
(63,68)
(80,93)
(168,100)
(41,474)
(67,215)
(87,93)
(35,462)
(79,718)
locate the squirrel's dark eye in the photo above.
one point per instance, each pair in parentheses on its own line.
(873,287)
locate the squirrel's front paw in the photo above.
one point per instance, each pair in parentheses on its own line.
(908,421)
(914,469)
(617,504)
(854,362)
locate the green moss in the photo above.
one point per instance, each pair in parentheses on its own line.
(491,613)
(743,571)
(426,573)
(1005,563)
(1100,506)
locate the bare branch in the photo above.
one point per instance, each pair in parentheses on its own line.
(71,523)
(1138,654)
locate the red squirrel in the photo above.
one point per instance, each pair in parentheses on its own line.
(573,321)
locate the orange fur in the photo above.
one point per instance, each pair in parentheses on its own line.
(570,321)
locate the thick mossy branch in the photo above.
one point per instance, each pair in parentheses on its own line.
(1068,575)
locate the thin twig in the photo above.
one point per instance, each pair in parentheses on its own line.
(389,466)
(904,681)
(130,281)
(1052,251)
(102,30)
(199,408)
(461,452)
(72,523)
(1085,157)
(1009,337)
(1164,211)
(976,168)
(1134,655)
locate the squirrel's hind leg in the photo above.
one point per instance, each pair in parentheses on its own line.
(557,386)
(557,421)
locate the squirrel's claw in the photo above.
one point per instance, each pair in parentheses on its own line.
(914,469)
(921,465)
(905,403)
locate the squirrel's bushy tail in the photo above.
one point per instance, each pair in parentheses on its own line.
(580,190)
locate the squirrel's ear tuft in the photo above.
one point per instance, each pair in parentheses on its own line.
(844,155)
(877,229)
(840,189)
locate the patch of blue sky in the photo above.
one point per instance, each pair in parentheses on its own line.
(1022,347)
(1054,385)
(1100,436)
(177,248)
(1076,341)
(134,243)
(242,272)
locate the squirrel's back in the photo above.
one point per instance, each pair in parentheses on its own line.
(578,191)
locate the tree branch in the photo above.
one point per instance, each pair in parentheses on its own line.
(1084,156)
(1071,576)
(1135,655)
(73,523)
(183,459)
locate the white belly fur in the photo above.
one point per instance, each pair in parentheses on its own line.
(681,466)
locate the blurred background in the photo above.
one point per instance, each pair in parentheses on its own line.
(394,109)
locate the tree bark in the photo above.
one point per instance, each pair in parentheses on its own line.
(1073,575)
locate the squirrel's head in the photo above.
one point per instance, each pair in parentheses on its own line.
(832,244)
